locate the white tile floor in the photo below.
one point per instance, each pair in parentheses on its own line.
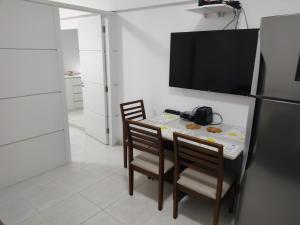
(92,190)
(76,118)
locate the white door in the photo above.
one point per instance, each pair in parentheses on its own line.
(93,75)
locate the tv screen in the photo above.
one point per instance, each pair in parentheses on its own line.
(218,61)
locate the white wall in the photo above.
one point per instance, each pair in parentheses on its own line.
(69,13)
(97,4)
(69,24)
(143,56)
(70,48)
(112,5)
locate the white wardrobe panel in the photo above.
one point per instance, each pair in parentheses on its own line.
(94,124)
(92,66)
(90,33)
(24,69)
(26,25)
(22,160)
(94,93)
(27,117)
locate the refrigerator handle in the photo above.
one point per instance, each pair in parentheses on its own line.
(298,70)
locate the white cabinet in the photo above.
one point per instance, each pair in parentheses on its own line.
(74,92)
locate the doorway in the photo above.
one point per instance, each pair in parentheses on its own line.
(83,48)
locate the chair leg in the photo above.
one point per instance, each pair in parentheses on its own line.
(131,180)
(234,197)
(125,155)
(160,192)
(217,212)
(175,204)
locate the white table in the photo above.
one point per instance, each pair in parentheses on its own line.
(232,137)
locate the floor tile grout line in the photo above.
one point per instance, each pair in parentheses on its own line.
(39,212)
(41,215)
(91,201)
(150,217)
(106,210)
(121,222)
(71,195)
(90,217)
(110,204)
(77,192)
(55,203)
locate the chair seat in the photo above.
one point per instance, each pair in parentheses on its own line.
(150,162)
(202,183)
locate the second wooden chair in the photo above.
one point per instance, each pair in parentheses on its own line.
(154,162)
(204,174)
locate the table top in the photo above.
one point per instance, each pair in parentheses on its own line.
(232,137)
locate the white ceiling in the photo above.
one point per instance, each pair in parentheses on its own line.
(67,13)
(112,5)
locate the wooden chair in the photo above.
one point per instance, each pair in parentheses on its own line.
(133,111)
(204,173)
(154,162)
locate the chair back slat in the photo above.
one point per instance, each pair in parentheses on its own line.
(130,108)
(198,161)
(142,148)
(197,168)
(134,110)
(139,112)
(136,117)
(144,137)
(197,154)
(198,147)
(142,131)
(144,141)
(202,155)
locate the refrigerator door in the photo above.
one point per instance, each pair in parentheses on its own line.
(280,58)
(271,194)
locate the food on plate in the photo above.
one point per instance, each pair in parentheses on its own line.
(214,130)
(193,126)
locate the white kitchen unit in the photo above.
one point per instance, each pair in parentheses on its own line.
(74,92)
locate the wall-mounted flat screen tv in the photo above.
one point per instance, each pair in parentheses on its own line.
(217,61)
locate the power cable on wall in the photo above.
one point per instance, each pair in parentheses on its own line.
(238,10)
(236,19)
(246,19)
(231,21)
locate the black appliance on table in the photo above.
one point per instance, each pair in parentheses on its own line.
(271,193)
(209,2)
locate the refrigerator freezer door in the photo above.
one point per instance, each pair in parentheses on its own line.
(271,194)
(280,52)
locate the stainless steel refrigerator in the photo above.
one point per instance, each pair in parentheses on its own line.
(271,192)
